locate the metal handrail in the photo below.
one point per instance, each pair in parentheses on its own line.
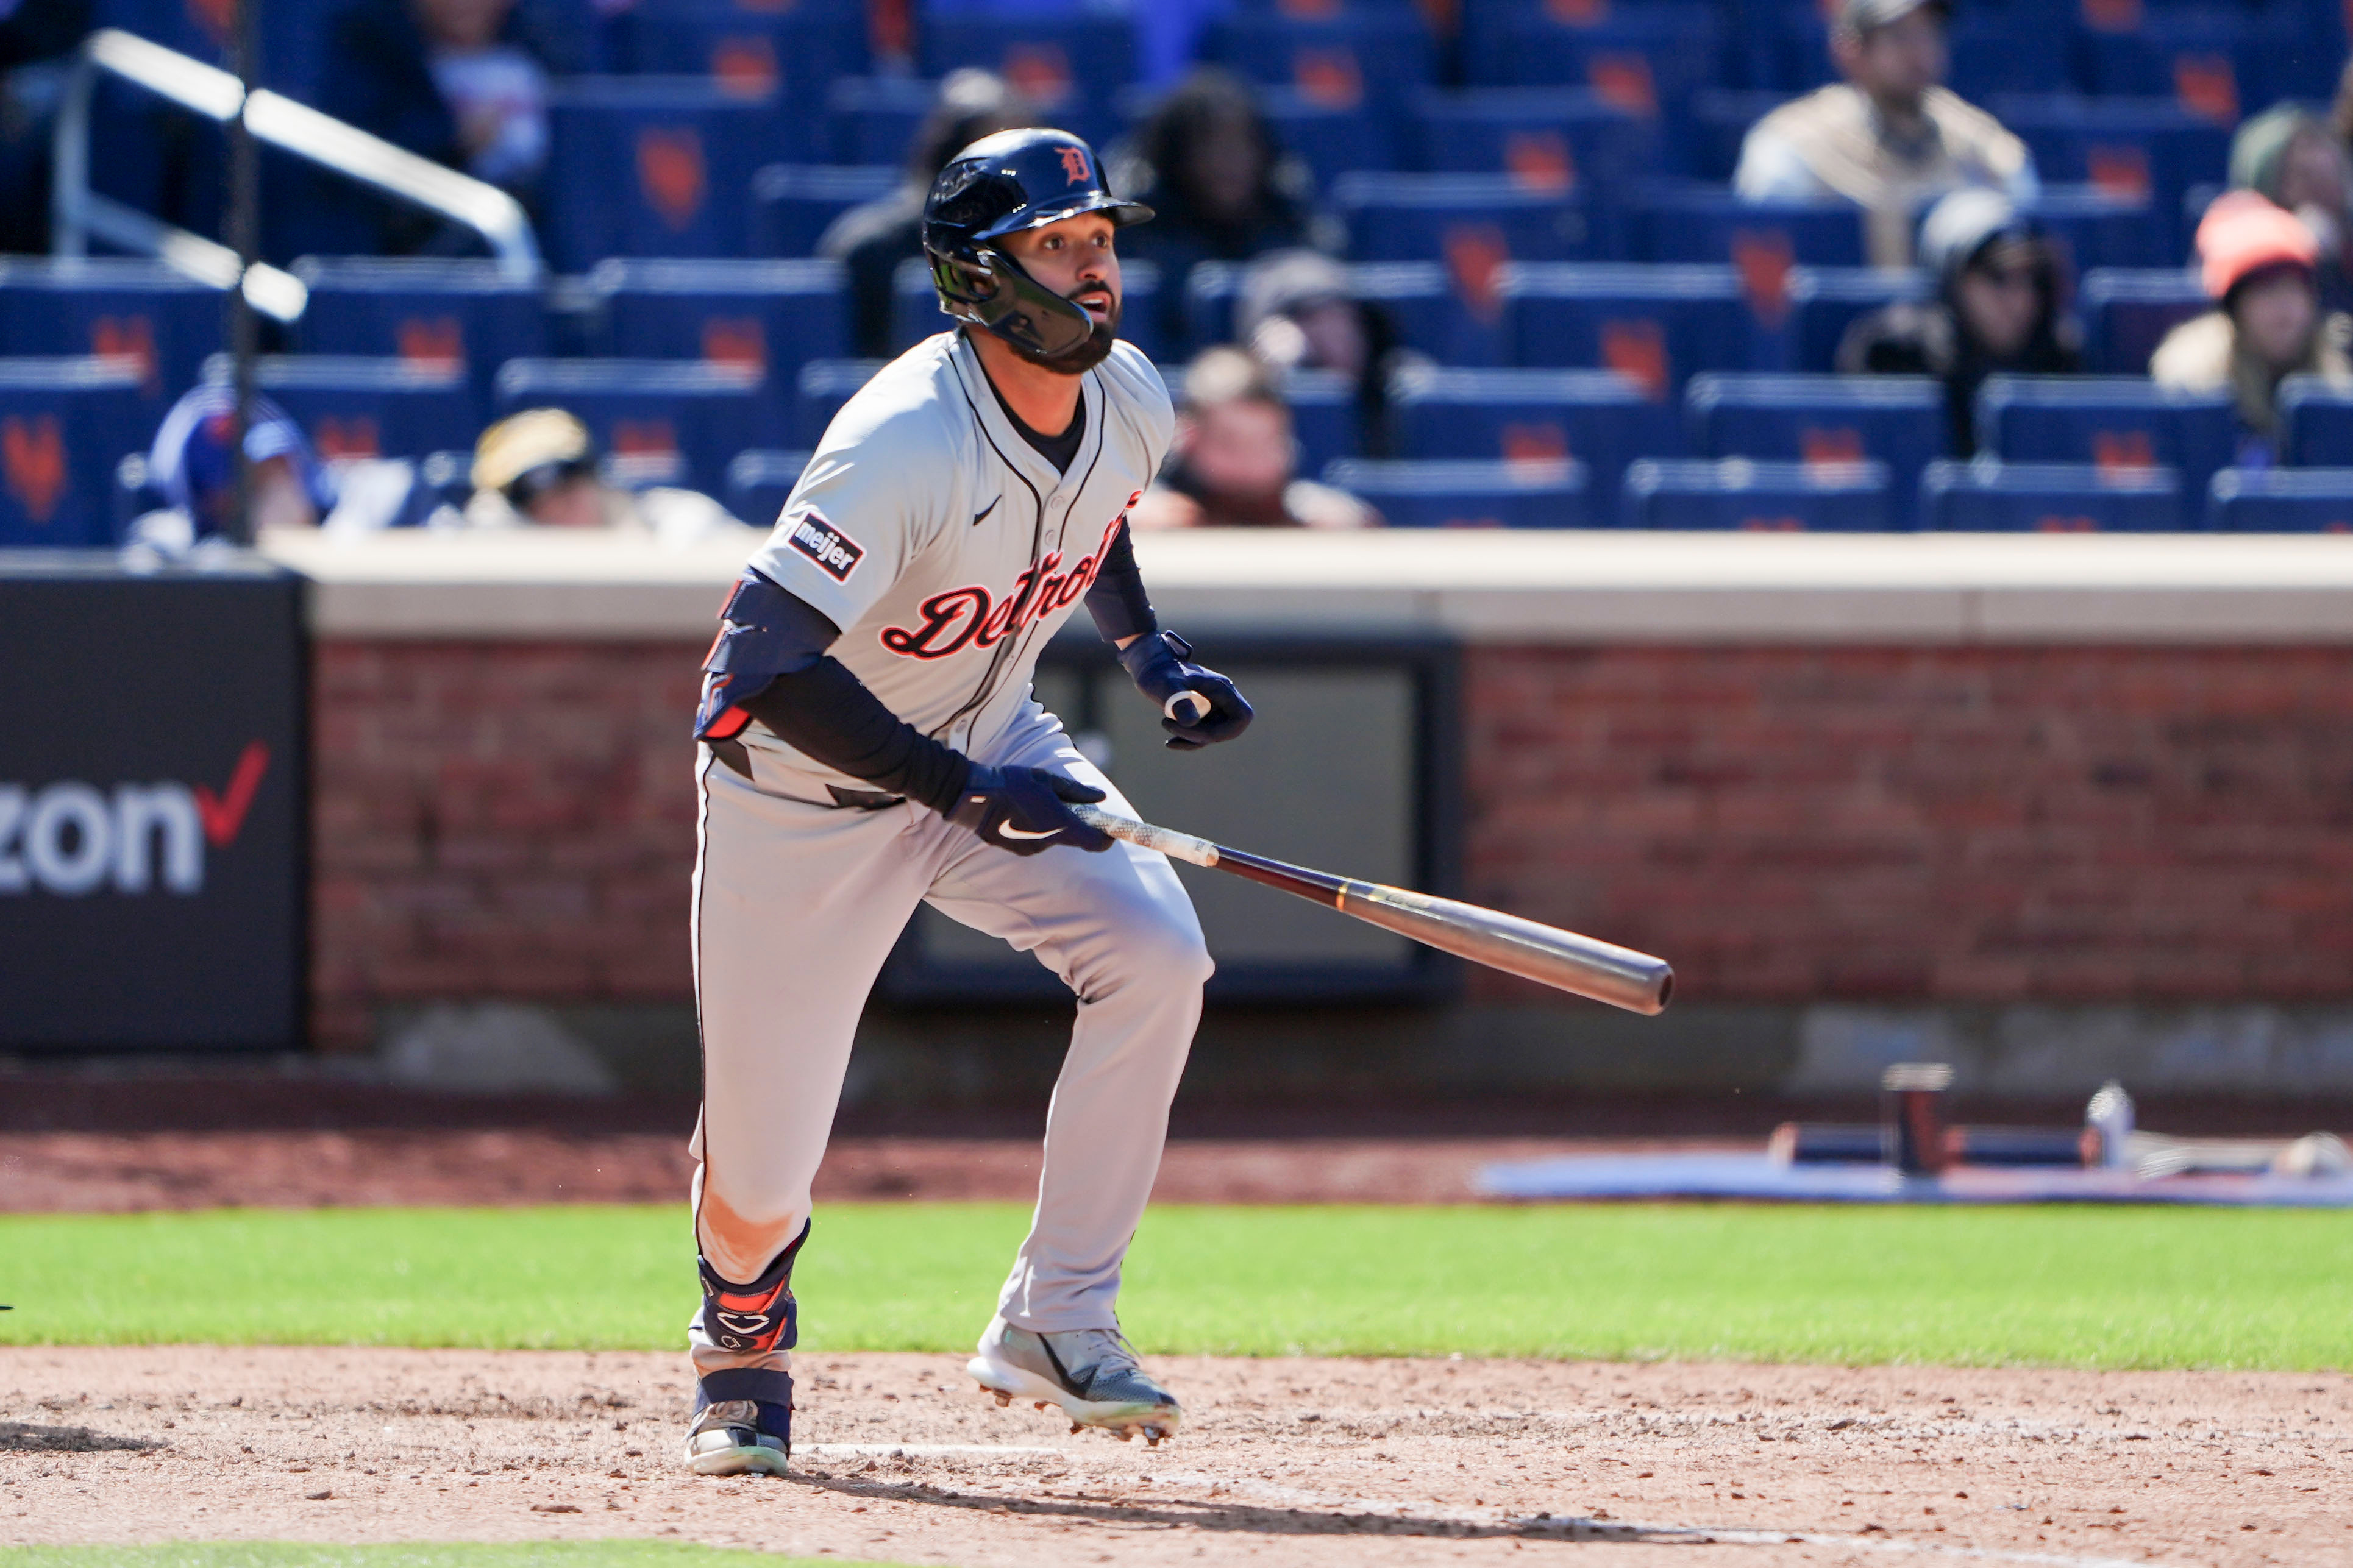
(78,212)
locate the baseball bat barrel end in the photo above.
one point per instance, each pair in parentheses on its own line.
(1187,707)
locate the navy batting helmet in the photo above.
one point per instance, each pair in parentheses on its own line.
(1002,185)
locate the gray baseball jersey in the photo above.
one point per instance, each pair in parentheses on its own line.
(945,547)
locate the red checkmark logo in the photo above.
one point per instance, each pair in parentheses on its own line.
(223,815)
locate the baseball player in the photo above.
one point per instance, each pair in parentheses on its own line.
(869,741)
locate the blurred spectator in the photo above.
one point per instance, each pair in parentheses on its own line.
(872,238)
(1298,310)
(2260,263)
(1234,460)
(538,468)
(192,469)
(1890,137)
(463,83)
(34,36)
(1207,165)
(1997,309)
(2295,158)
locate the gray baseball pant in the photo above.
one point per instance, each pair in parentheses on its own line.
(796,907)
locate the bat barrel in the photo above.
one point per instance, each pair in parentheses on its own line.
(1564,960)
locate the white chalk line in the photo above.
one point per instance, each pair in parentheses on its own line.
(922,1451)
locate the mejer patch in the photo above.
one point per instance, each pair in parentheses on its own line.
(826,545)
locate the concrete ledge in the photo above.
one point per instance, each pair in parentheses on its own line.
(1516,588)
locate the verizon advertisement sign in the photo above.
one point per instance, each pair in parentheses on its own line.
(151,807)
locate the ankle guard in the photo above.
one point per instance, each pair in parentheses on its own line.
(754,1319)
(769,1391)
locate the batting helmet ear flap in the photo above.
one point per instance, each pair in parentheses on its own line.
(989,289)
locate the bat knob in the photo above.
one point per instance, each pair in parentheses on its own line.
(1187,707)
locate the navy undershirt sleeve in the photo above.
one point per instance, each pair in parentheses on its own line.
(1117,601)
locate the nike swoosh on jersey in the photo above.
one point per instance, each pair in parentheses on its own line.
(1007,830)
(984,511)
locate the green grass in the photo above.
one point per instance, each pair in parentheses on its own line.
(2075,1287)
(289,1554)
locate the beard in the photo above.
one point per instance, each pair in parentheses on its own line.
(1088,354)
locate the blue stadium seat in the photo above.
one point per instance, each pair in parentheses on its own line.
(655,166)
(1824,301)
(916,312)
(2127,313)
(1430,217)
(351,406)
(1602,419)
(1429,307)
(1657,325)
(793,204)
(112,307)
(658,421)
(2116,423)
(760,481)
(1993,49)
(2281,500)
(1324,417)
(753,50)
(1331,139)
(1646,56)
(1547,138)
(2127,146)
(1070,63)
(1467,494)
(1717,122)
(2316,424)
(873,118)
(2090,227)
(1371,56)
(65,422)
(435,312)
(1709,224)
(823,386)
(1895,420)
(2207,57)
(774,316)
(1986,496)
(1759,498)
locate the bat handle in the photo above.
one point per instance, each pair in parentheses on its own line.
(1144,836)
(1187,707)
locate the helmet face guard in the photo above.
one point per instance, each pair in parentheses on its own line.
(1006,184)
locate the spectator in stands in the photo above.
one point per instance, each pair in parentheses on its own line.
(1207,165)
(1297,309)
(1997,309)
(463,83)
(1890,137)
(538,468)
(192,471)
(872,238)
(1235,460)
(2260,264)
(2295,158)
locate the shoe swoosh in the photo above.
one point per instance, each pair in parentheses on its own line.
(1008,831)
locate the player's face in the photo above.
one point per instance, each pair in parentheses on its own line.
(1075,259)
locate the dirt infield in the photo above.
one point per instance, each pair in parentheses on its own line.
(1296,1461)
(101,1172)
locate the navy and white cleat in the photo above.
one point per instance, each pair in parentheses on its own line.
(1091,1374)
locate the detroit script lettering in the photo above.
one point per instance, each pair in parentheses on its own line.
(958,618)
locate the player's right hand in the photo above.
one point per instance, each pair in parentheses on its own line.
(1023,810)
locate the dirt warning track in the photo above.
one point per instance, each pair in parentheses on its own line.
(1304,1461)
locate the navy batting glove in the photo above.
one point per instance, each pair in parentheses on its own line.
(1161,666)
(1023,810)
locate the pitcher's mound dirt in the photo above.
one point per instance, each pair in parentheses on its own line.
(1299,1461)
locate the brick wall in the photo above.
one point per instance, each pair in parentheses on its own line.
(499,820)
(2054,824)
(1962,824)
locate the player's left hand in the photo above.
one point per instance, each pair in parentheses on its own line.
(1199,706)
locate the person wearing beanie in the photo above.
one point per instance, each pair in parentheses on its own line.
(1890,137)
(1298,310)
(1996,309)
(2260,265)
(2296,159)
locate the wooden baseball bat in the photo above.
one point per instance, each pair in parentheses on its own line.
(1580,964)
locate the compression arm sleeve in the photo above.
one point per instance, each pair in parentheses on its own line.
(1117,601)
(827,713)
